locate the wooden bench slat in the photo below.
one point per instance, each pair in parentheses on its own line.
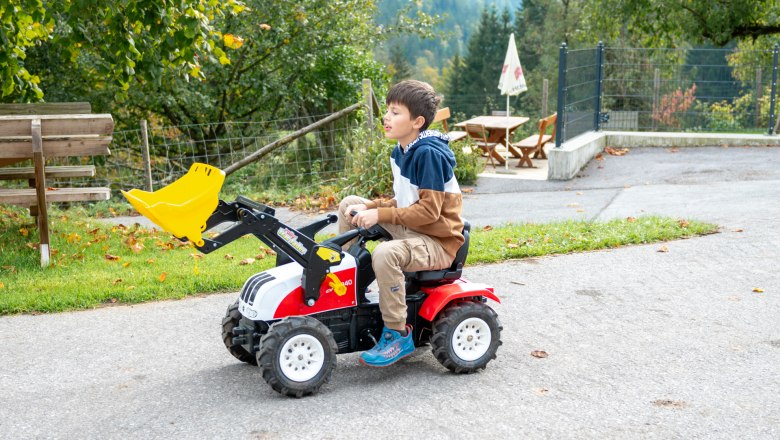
(58,125)
(56,172)
(27,197)
(55,146)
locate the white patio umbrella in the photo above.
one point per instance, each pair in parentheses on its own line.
(512,81)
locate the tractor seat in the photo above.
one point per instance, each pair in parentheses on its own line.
(450,274)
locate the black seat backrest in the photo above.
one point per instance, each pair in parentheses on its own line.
(454,271)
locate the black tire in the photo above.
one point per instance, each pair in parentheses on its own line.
(317,347)
(460,356)
(229,322)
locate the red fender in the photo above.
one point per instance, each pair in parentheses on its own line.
(440,296)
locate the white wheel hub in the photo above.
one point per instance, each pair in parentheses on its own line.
(471,339)
(301,358)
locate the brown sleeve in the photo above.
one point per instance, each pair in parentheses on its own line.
(427,210)
(381,203)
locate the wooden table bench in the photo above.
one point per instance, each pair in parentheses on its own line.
(39,137)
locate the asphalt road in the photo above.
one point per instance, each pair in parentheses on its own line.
(641,343)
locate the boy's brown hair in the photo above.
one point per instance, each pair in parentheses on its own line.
(419,97)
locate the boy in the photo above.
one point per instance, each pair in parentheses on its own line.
(423,217)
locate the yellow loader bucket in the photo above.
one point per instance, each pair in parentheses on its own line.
(183,207)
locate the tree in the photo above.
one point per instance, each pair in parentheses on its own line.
(669,22)
(121,40)
(401,69)
(482,65)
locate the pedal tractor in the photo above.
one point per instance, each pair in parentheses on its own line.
(293,319)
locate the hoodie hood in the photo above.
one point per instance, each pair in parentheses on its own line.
(432,139)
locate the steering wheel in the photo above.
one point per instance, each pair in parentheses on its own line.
(374,232)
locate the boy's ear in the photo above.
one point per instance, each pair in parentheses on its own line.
(418,122)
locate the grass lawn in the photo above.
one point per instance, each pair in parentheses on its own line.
(95,263)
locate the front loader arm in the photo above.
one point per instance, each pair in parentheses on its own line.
(257,219)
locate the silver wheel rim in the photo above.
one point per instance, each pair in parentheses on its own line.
(471,339)
(301,358)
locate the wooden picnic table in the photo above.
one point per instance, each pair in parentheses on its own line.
(497,127)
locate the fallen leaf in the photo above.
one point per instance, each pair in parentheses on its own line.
(758,290)
(513,245)
(599,157)
(580,210)
(246,261)
(197,256)
(539,354)
(269,251)
(684,223)
(663,249)
(670,403)
(229,257)
(540,391)
(517,282)
(111,300)
(265,27)
(260,256)
(130,287)
(24,232)
(2,286)
(117,281)
(467,190)
(137,248)
(150,261)
(110,257)
(631,219)
(126,264)
(74,238)
(616,151)
(579,193)
(738,230)
(11,269)
(673,150)
(163,276)
(32,245)
(49,188)
(487,228)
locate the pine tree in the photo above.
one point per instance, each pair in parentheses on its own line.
(401,69)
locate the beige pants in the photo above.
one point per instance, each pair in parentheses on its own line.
(408,251)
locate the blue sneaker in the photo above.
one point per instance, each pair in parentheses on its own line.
(391,348)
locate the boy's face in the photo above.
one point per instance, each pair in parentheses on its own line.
(399,124)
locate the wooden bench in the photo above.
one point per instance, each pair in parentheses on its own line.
(535,144)
(441,116)
(36,134)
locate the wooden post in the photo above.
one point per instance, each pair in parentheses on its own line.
(40,190)
(545,97)
(368,92)
(147,159)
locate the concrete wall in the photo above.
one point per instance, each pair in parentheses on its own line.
(565,162)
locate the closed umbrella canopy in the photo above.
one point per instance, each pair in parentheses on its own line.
(512,81)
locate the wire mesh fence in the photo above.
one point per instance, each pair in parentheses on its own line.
(316,156)
(691,90)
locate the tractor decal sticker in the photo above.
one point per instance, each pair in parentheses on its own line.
(252,287)
(291,239)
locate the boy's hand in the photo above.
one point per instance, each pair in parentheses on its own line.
(358,208)
(365,219)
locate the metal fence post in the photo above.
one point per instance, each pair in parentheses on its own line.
(773,98)
(560,127)
(599,78)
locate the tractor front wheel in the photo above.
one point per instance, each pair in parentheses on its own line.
(466,336)
(297,355)
(230,322)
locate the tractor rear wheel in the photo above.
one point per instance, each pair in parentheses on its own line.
(230,322)
(466,336)
(297,355)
